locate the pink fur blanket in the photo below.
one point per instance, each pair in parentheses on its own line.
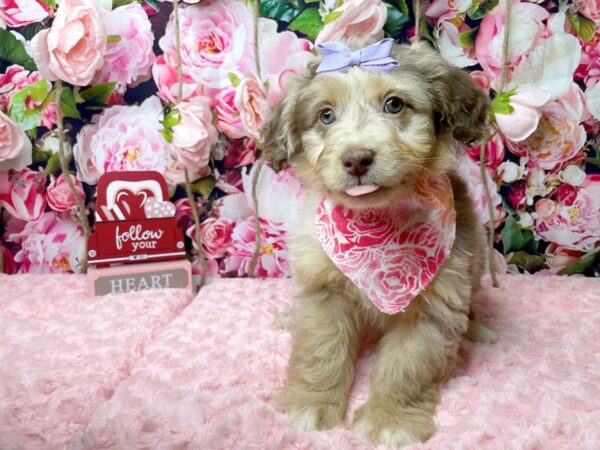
(160,370)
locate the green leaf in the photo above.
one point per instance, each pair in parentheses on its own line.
(283,10)
(403,7)
(531,263)
(582,264)
(479,8)
(584,27)
(29,31)
(13,51)
(467,38)
(98,94)
(113,38)
(501,103)
(50,3)
(595,161)
(396,21)
(333,15)
(308,22)
(172,118)
(28,118)
(426,32)
(117,3)
(235,80)
(512,238)
(39,157)
(53,164)
(68,104)
(204,186)
(154,4)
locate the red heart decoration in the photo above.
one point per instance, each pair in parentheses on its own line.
(131,203)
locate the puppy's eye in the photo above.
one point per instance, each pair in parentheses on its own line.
(327,116)
(393,105)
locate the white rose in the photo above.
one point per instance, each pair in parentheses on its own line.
(509,172)
(525,220)
(573,175)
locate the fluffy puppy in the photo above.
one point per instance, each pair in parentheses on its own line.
(411,121)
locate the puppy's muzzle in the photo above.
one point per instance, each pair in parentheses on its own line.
(357,161)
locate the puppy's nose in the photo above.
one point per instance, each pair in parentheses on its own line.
(357,161)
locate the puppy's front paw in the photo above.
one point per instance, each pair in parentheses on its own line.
(393,426)
(310,415)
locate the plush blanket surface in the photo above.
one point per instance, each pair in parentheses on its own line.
(160,370)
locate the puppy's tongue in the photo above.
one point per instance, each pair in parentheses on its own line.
(363,189)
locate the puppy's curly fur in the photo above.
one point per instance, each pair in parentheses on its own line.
(442,109)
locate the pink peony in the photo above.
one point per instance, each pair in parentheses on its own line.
(450,47)
(165,77)
(589,8)
(49,115)
(559,135)
(575,226)
(560,257)
(482,80)
(15,79)
(60,198)
(251,102)
(15,146)
(525,17)
(128,61)
(50,245)
(228,117)
(566,194)
(357,18)
(18,13)
(215,235)
(23,194)
(73,48)
(523,120)
(240,153)
(193,136)
(494,152)
(122,138)
(216,39)
(447,9)
(272,261)
(282,54)
(470,172)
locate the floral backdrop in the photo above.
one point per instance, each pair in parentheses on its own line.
(123,110)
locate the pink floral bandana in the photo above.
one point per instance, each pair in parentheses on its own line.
(391,254)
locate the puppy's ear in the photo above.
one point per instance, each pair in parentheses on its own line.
(460,106)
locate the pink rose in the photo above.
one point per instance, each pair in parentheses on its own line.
(525,17)
(50,245)
(165,77)
(228,117)
(357,18)
(183,212)
(272,261)
(15,146)
(470,173)
(215,235)
(251,102)
(73,48)
(49,115)
(589,65)
(566,194)
(18,13)
(122,138)
(216,39)
(240,153)
(589,8)
(482,80)
(447,9)
(516,196)
(523,120)
(559,135)
(60,197)
(15,79)
(494,152)
(193,136)
(128,61)
(560,257)
(575,226)
(23,194)
(282,54)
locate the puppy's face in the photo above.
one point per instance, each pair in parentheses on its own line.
(362,138)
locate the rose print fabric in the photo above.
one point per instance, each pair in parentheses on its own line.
(391,253)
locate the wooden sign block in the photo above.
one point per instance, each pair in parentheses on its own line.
(140,277)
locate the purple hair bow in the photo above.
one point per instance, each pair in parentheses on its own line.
(374,58)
